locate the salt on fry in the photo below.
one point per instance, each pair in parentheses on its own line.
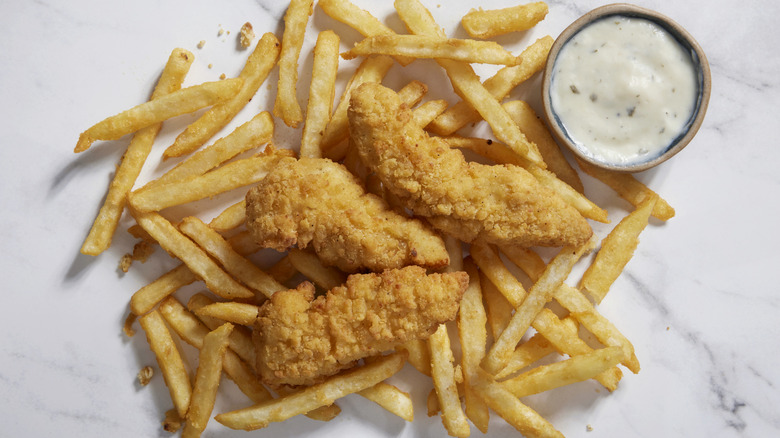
(487,24)
(295,19)
(312,397)
(258,66)
(102,231)
(321,93)
(433,47)
(183,101)
(169,359)
(204,391)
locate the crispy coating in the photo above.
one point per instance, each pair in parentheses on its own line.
(501,204)
(301,340)
(316,201)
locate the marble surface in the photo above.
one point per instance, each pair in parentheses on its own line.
(698,300)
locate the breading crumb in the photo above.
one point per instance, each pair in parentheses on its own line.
(172,421)
(589,428)
(145,375)
(127,328)
(125,262)
(201,43)
(222,76)
(247,35)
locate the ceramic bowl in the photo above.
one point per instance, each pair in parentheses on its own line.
(684,38)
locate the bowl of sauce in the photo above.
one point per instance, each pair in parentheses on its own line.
(625,88)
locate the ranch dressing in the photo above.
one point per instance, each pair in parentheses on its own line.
(624,89)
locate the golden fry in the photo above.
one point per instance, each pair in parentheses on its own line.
(391,399)
(102,231)
(255,71)
(311,267)
(238,313)
(495,22)
(321,93)
(472,333)
(433,47)
(295,20)
(155,111)
(443,374)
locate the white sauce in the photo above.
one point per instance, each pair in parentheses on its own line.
(624,89)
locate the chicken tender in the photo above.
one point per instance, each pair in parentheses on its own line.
(316,201)
(500,204)
(301,340)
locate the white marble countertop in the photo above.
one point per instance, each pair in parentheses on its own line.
(697,300)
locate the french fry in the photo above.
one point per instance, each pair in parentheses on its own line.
(391,399)
(321,93)
(233,262)
(433,47)
(104,227)
(231,311)
(217,280)
(534,128)
(498,309)
(283,270)
(473,340)
(565,372)
(499,85)
(428,111)
(418,355)
(323,413)
(525,354)
(510,408)
(193,331)
(309,265)
(230,176)
(204,390)
(148,296)
(360,20)
(258,131)
(295,19)
(231,218)
(616,251)
(630,189)
(183,101)
(372,69)
(495,22)
(540,293)
(169,358)
(240,339)
(432,403)
(255,71)
(494,269)
(443,373)
(310,398)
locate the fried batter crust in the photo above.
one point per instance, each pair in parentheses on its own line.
(501,204)
(301,340)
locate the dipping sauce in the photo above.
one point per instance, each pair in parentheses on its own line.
(624,89)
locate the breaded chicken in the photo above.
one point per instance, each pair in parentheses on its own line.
(316,201)
(301,340)
(501,204)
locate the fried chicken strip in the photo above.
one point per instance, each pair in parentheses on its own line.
(301,340)
(316,201)
(501,204)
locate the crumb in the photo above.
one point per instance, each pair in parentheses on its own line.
(127,328)
(201,43)
(145,375)
(589,428)
(172,421)
(211,65)
(247,35)
(667,328)
(142,250)
(222,76)
(125,262)
(221,31)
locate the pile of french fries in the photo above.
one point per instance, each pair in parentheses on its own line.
(518,308)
